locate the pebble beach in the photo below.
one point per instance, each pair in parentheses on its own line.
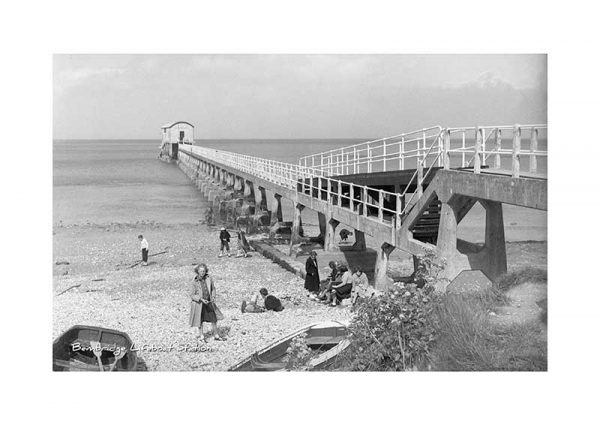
(151,303)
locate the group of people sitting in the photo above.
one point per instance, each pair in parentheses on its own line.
(343,283)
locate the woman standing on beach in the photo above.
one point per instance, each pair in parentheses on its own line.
(203,308)
(312,281)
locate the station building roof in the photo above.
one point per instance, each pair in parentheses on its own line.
(176,122)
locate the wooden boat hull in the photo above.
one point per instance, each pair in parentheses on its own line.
(91,348)
(327,339)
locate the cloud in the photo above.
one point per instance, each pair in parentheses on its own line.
(484,81)
(73,77)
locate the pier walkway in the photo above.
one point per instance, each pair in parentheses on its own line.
(408,191)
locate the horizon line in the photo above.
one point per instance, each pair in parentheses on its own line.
(249,138)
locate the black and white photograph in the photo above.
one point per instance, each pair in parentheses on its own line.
(388,205)
(310,212)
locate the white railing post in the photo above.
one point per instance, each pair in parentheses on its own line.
(339,192)
(402,154)
(319,183)
(302,181)
(369,166)
(354,159)
(380,206)
(498,148)
(329,191)
(365,207)
(419,178)
(351,197)
(424,150)
(516,154)
(477,158)
(464,146)
(330,163)
(483,151)
(398,211)
(347,162)
(384,155)
(446,151)
(533,148)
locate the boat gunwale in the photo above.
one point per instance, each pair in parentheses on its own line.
(317,325)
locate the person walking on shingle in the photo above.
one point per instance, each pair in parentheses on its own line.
(224,236)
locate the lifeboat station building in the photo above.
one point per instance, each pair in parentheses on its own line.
(174,134)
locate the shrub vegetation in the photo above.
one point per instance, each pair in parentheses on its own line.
(411,327)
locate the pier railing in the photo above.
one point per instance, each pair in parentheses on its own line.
(481,147)
(515,149)
(376,204)
(476,149)
(400,152)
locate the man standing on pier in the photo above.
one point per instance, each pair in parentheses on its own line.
(144,246)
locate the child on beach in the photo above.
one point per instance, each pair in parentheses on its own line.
(224,236)
(360,286)
(270,302)
(144,247)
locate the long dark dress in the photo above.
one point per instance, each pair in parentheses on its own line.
(312,280)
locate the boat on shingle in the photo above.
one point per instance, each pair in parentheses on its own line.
(327,340)
(92,348)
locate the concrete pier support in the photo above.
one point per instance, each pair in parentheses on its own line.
(261,200)
(200,181)
(297,224)
(276,210)
(493,254)
(249,190)
(329,242)
(381,265)
(461,255)
(249,198)
(359,241)
(322,227)
(238,184)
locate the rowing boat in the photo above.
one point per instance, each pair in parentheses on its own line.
(326,340)
(91,348)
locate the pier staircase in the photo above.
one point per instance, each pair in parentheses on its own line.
(425,227)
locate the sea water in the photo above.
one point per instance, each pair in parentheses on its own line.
(123,181)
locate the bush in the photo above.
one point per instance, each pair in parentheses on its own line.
(429,269)
(299,353)
(393,331)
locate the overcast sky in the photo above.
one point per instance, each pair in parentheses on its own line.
(292,96)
